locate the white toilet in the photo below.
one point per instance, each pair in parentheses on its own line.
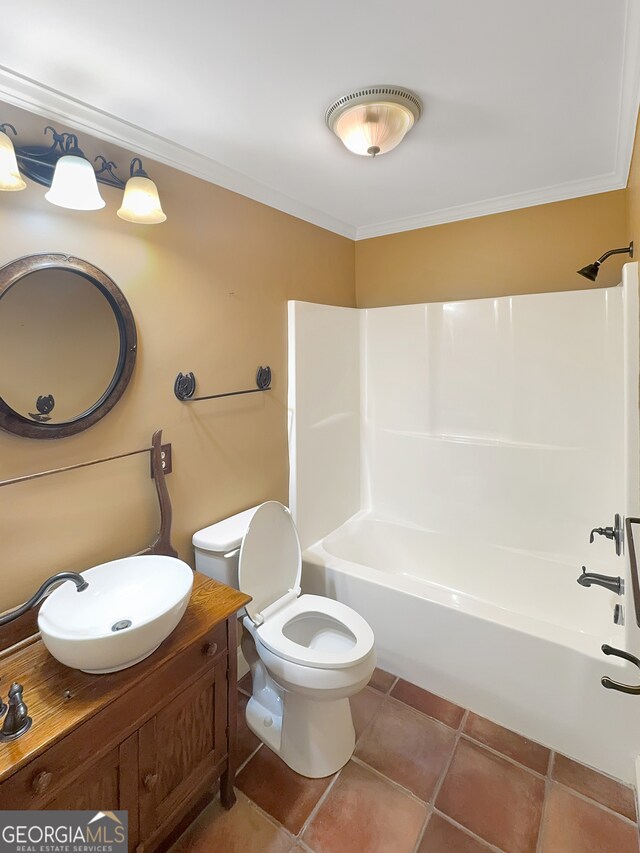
(307,653)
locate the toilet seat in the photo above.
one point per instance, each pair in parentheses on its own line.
(344,639)
(270,564)
(309,630)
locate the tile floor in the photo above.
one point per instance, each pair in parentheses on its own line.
(426,777)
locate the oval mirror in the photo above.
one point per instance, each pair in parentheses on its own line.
(67,345)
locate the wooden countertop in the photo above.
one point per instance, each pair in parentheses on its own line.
(46,681)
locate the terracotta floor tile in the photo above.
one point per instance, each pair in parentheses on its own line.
(244,683)
(365,814)
(497,800)
(283,794)
(364,706)
(527,752)
(407,747)
(247,741)
(592,784)
(381,680)
(574,825)
(243,829)
(428,703)
(443,837)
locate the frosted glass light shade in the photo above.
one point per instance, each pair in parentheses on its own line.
(141,202)
(371,129)
(374,119)
(10,177)
(74,185)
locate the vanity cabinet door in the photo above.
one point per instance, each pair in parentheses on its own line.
(182,752)
(108,784)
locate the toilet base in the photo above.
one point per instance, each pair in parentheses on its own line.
(310,729)
(314,738)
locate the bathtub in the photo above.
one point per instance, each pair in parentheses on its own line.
(506,633)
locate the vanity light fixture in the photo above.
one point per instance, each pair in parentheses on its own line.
(10,178)
(72,179)
(74,183)
(141,202)
(591,270)
(375,119)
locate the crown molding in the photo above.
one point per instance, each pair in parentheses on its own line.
(500,204)
(630,91)
(616,180)
(54,105)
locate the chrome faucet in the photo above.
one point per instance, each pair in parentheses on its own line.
(607,581)
(77,579)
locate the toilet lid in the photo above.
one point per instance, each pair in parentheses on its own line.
(270,558)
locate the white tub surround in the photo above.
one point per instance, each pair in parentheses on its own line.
(493,436)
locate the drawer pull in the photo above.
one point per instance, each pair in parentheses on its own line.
(210,649)
(150,781)
(41,782)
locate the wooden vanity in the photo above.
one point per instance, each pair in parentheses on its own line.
(152,739)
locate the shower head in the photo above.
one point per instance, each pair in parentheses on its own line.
(591,270)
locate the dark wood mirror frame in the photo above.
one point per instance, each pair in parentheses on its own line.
(12,273)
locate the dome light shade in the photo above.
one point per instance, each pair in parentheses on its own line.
(10,177)
(141,202)
(374,129)
(374,120)
(74,185)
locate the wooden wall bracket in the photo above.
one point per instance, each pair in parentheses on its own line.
(162,543)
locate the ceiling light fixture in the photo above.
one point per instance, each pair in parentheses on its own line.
(591,270)
(72,179)
(375,119)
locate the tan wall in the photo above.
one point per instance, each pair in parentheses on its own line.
(533,250)
(633,195)
(208,290)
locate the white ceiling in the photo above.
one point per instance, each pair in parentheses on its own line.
(526,101)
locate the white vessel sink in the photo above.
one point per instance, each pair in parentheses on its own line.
(128,609)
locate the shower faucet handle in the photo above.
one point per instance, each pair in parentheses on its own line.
(601,531)
(614,533)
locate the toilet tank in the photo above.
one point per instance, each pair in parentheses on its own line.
(217,547)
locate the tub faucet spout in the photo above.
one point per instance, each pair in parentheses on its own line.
(607,581)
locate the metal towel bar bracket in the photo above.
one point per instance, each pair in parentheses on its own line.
(609,683)
(185,386)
